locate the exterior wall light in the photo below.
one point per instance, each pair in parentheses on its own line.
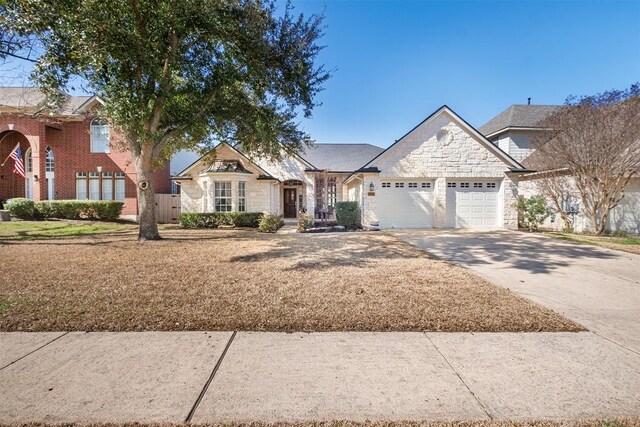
(372,187)
(99,168)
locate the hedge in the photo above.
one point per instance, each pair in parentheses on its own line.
(21,208)
(217,219)
(348,215)
(105,210)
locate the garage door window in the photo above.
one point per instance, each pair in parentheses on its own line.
(386,185)
(426,185)
(477,185)
(399,184)
(451,184)
(464,185)
(491,185)
(413,185)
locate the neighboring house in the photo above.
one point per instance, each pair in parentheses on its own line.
(67,152)
(443,173)
(512,131)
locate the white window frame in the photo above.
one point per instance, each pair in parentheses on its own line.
(413,185)
(119,186)
(107,186)
(81,186)
(222,192)
(242,196)
(94,185)
(205,196)
(100,134)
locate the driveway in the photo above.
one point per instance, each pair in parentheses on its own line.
(596,287)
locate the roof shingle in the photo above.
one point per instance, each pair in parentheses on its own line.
(527,116)
(340,157)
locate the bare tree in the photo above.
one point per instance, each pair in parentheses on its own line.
(593,144)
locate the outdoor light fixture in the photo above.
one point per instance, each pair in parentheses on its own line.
(372,187)
(10,126)
(35,178)
(99,168)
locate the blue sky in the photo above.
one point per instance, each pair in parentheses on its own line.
(397,61)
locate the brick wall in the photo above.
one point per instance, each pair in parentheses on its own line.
(70,142)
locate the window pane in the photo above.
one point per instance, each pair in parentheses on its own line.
(81,189)
(94,189)
(242,196)
(107,189)
(119,186)
(99,137)
(222,196)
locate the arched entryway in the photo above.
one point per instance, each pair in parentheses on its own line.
(12,184)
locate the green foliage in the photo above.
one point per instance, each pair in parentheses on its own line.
(271,223)
(217,219)
(532,212)
(305,222)
(348,215)
(104,210)
(21,208)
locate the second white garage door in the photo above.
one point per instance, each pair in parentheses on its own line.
(406,204)
(472,204)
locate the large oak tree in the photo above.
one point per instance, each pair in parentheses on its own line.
(180,74)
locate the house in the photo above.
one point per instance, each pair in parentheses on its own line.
(442,173)
(67,152)
(513,129)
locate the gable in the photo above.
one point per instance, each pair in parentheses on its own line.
(443,145)
(223,152)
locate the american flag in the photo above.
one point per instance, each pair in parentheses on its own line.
(18,166)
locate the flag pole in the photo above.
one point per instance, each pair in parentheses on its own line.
(10,153)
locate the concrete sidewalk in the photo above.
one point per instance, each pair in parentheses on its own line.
(222,376)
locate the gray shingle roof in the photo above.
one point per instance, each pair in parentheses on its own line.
(340,157)
(31,98)
(518,116)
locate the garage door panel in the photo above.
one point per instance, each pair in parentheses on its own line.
(405,207)
(472,206)
(626,216)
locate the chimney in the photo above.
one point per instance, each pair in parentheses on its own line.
(528,101)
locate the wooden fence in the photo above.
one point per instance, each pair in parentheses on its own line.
(168,208)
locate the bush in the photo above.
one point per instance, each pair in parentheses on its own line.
(21,208)
(532,212)
(305,222)
(105,210)
(348,215)
(217,219)
(270,223)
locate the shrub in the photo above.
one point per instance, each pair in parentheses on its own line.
(270,223)
(105,210)
(532,212)
(348,215)
(21,208)
(217,219)
(305,221)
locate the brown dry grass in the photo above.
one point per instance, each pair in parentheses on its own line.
(613,422)
(244,280)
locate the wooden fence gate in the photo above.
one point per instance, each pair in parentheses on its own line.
(168,208)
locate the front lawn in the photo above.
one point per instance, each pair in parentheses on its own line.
(628,244)
(245,280)
(25,230)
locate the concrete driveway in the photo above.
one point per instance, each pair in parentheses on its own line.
(596,287)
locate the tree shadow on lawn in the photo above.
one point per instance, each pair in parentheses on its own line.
(318,251)
(519,250)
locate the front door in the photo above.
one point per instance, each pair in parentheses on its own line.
(290,203)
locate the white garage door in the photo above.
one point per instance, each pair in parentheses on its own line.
(472,204)
(626,216)
(406,204)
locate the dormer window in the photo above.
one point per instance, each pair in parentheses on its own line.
(99,136)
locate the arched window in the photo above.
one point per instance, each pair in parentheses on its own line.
(49,161)
(28,162)
(99,136)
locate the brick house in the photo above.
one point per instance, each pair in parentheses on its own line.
(68,153)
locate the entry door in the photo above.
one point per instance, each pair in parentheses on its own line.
(290,203)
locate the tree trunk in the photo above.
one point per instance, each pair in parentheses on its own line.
(148,229)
